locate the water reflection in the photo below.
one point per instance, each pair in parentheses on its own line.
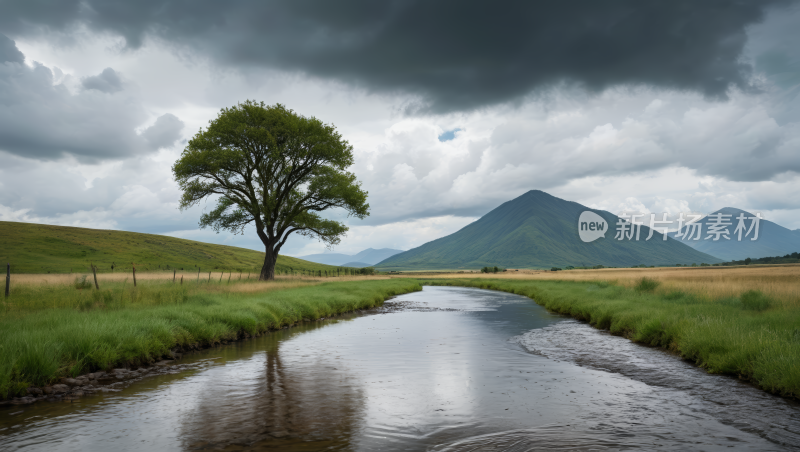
(276,400)
(441,369)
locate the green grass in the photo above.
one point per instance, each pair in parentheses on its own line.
(38,345)
(743,336)
(646,285)
(38,248)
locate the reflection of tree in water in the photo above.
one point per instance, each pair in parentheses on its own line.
(302,404)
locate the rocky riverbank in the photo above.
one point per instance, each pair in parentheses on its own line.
(96,382)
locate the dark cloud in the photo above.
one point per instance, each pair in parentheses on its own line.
(9,51)
(165,132)
(453,54)
(43,120)
(107,81)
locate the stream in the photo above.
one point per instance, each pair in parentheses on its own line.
(444,369)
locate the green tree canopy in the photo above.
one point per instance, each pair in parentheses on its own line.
(272,168)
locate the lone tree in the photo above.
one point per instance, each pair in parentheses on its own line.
(270,167)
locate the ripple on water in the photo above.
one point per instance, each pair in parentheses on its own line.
(727,399)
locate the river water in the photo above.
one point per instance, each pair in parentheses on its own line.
(443,369)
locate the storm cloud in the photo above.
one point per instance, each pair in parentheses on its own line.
(619,105)
(9,53)
(42,119)
(165,132)
(450,55)
(106,82)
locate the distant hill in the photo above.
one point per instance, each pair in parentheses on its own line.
(356,264)
(773,239)
(370,256)
(537,230)
(328,258)
(38,248)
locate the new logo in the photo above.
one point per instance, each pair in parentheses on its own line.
(591,226)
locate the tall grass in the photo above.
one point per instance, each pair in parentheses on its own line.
(118,293)
(748,335)
(780,283)
(100,329)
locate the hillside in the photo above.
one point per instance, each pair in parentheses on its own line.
(369,256)
(37,248)
(537,230)
(773,239)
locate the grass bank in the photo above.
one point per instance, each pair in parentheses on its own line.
(750,335)
(91,330)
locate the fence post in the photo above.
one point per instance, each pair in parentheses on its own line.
(220,276)
(181,279)
(174,272)
(94,272)
(198,274)
(229,276)
(8,278)
(134,275)
(209,277)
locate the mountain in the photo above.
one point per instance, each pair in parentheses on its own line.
(370,256)
(328,258)
(773,239)
(39,248)
(356,264)
(537,230)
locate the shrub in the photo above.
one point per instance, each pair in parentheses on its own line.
(674,295)
(755,300)
(646,285)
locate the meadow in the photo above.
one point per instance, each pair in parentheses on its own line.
(65,327)
(737,321)
(779,282)
(40,248)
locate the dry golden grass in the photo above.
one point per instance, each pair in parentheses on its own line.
(36,292)
(781,282)
(243,283)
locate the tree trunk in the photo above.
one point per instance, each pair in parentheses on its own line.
(268,270)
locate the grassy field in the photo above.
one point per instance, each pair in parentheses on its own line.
(779,282)
(38,248)
(58,329)
(743,322)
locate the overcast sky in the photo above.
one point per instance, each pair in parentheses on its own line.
(453,107)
